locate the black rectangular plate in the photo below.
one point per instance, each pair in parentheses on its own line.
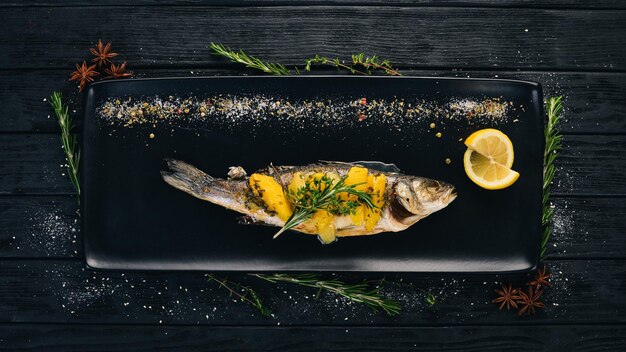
(134,220)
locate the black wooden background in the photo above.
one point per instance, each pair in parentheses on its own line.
(50,301)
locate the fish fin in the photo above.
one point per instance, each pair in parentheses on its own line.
(186,178)
(236,173)
(372,165)
(249,220)
(272,170)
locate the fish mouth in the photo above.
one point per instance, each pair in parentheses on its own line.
(452,194)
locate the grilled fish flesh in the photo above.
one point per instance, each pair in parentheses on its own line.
(269,196)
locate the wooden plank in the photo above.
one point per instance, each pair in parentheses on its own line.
(48,227)
(48,337)
(588,165)
(48,291)
(408,36)
(565,4)
(574,176)
(24,96)
(594,102)
(31,163)
(40,227)
(588,228)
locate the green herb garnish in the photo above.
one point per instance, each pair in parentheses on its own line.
(360,63)
(323,194)
(429,298)
(243,293)
(331,62)
(359,293)
(371,63)
(249,61)
(553,144)
(368,63)
(69,140)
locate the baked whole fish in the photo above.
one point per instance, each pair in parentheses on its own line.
(270,196)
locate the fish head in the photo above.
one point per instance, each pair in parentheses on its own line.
(423,196)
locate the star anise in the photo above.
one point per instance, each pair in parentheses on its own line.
(541,279)
(102,54)
(83,75)
(507,297)
(118,71)
(528,301)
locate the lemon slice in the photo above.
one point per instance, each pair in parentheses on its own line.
(492,144)
(489,158)
(486,173)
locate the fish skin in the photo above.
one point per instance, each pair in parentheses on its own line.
(408,199)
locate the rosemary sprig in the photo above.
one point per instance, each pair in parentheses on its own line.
(68,139)
(553,140)
(429,298)
(369,63)
(249,61)
(374,63)
(359,293)
(248,296)
(332,62)
(323,194)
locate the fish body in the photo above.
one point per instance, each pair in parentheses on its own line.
(266,197)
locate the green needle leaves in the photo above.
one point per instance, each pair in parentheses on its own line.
(249,61)
(553,140)
(68,140)
(360,64)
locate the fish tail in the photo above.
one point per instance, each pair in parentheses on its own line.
(187,178)
(226,193)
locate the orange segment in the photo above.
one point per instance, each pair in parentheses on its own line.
(376,187)
(272,193)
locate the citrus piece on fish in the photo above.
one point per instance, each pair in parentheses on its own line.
(492,144)
(488,159)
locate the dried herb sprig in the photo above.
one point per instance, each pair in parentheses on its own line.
(69,140)
(359,293)
(372,63)
(429,298)
(323,194)
(553,140)
(331,62)
(249,61)
(368,63)
(243,293)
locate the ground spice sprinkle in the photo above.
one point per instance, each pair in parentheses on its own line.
(239,109)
